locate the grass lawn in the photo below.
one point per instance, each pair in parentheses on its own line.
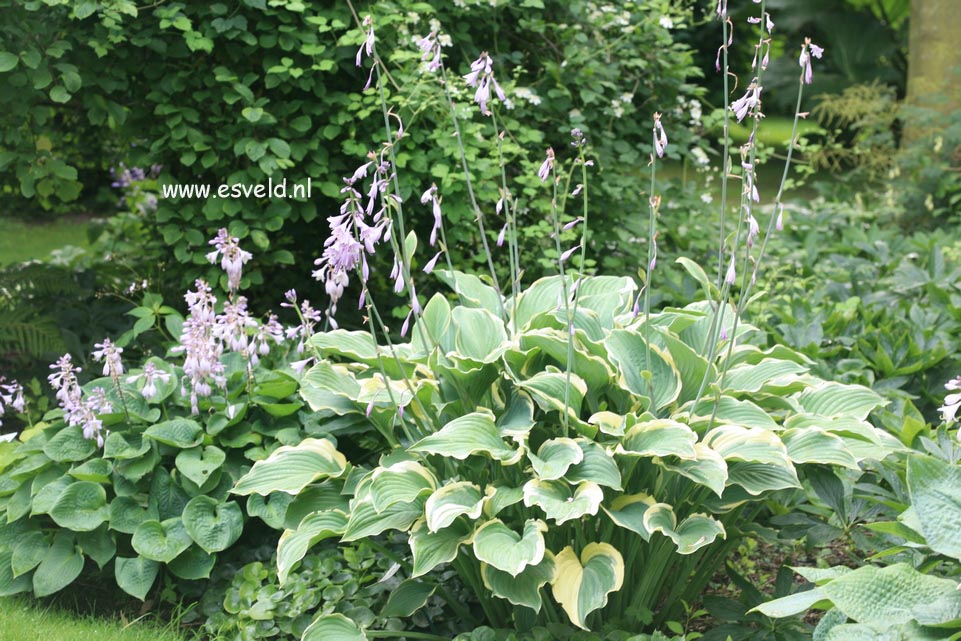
(21,241)
(23,621)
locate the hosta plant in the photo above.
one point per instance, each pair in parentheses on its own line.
(589,494)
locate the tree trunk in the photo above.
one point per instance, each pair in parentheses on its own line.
(934,62)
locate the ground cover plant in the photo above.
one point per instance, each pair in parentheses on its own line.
(483,451)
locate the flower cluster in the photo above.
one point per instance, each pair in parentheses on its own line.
(481,77)
(199,343)
(11,395)
(809,50)
(109,354)
(232,257)
(952,402)
(150,375)
(77,409)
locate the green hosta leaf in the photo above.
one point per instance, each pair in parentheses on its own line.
(408,597)
(523,589)
(98,545)
(353,346)
(81,507)
(609,423)
(213,525)
(547,390)
(554,457)
(629,351)
(466,435)
(837,399)
(471,289)
(431,549)
(46,498)
(198,463)
(478,334)
(366,521)
(293,544)
(136,576)
(693,533)
(503,548)
(582,585)
(607,296)
(400,483)
(594,370)
(28,552)
(543,295)
(161,540)
(813,445)
(500,497)
(193,565)
(691,366)
(333,627)
(62,564)
(272,509)
(330,387)
(166,497)
(628,511)
(758,478)
(660,437)
(792,604)
(68,445)
(292,468)
(119,445)
(738,412)
(432,326)
(755,445)
(560,501)
(95,470)
(766,374)
(708,468)
(935,488)
(178,432)
(126,514)
(597,465)
(10,585)
(451,501)
(518,418)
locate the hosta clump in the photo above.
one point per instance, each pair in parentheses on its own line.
(610,502)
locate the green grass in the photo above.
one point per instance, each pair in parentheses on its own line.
(20,241)
(21,620)
(774,131)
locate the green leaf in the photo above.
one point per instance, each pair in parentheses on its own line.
(472,290)
(179,432)
(68,445)
(81,507)
(503,548)
(431,549)
(355,346)
(271,509)
(451,501)
(135,576)
(707,468)
(560,501)
(542,296)
(692,534)
(292,468)
(756,445)
(28,552)
(769,373)
(628,511)
(523,589)
(792,604)
(594,370)
(198,463)
(401,482)
(253,114)
(213,525)
(366,521)
(293,544)
(433,324)
(660,437)
(935,488)
(598,466)
(837,399)
(98,545)
(555,457)
(193,564)
(630,353)
(469,434)
(95,470)
(8,61)
(59,94)
(126,514)
(10,585)
(333,627)
(408,597)
(758,478)
(813,445)
(581,585)
(119,445)
(478,334)
(547,390)
(62,564)
(161,541)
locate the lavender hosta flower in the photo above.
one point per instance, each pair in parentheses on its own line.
(481,77)
(952,402)
(309,318)
(367,47)
(231,327)
(731,275)
(501,235)
(808,50)
(545,169)
(750,100)
(270,332)
(11,395)
(431,196)
(64,381)
(150,375)
(232,257)
(429,267)
(109,354)
(660,138)
(201,345)
(430,51)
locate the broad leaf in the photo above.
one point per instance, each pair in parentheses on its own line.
(178,432)
(451,501)
(81,507)
(523,589)
(408,597)
(62,564)
(554,457)
(660,437)
(629,351)
(581,585)
(503,548)
(212,524)
(161,541)
(431,549)
(292,468)
(469,434)
(400,483)
(293,544)
(198,463)
(560,501)
(333,627)
(935,488)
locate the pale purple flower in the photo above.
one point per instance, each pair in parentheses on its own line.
(660,138)
(270,332)
(429,267)
(808,49)
(731,275)
(779,225)
(748,101)
(232,257)
(481,77)
(569,253)
(11,395)
(367,47)
(231,327)
(430,52)
(431,196)
(201,345)
(545,170)
(109,354)
(500,236)
(952,402)
(150,375)
(64,381)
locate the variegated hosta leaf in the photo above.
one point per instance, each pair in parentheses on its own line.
(499,497)
(560,501)
(432,326)
(366,521)
(293,544)
(755,445)
(554,457)
(503,548)
(400,483)
(470,289)
(768,375)
(731,411)
(609,423)
(292,468)
(935,488)
(757,478)
(547,390)
(593,369)
(470,434)
(581,585)
(333,627)
(837,399)
(708,468)
(430,549)
(861,439)
(660,437)
(692,534)
(598,466)
(478,335)
(523,589)
(518,418)
(814,445)
(628,512)
(542,296)
(629,352)
(451,501)
(330,387)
